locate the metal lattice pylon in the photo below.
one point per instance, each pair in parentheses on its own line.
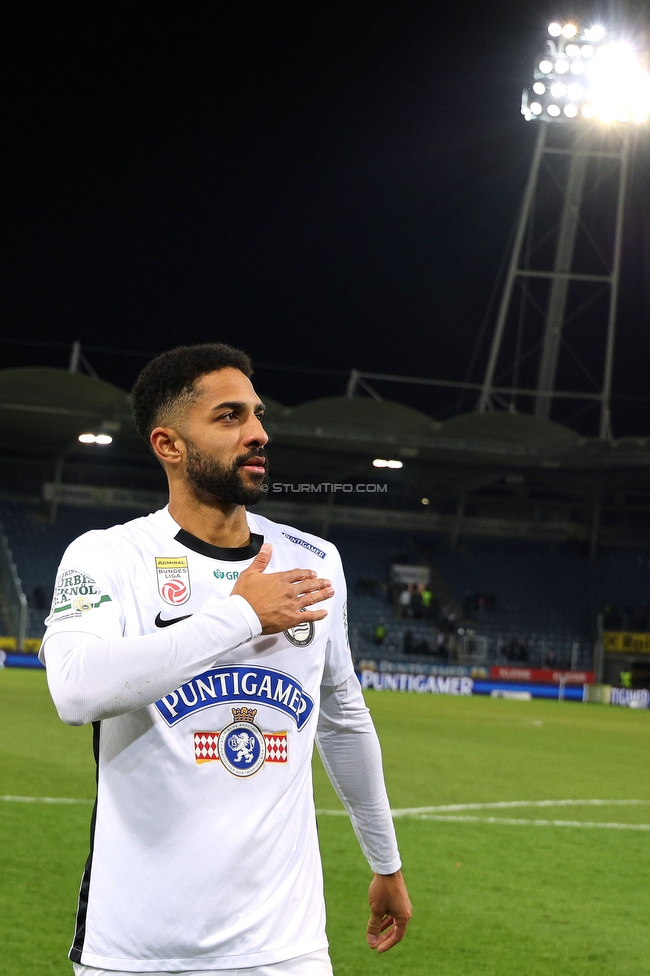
(581,147)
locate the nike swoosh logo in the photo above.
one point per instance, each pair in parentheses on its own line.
(159,622)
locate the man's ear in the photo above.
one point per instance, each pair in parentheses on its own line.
(167,444)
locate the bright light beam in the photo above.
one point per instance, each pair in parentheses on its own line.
(619,84)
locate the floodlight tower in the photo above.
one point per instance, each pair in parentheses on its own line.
(589,90)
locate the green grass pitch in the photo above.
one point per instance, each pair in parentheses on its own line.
(490,898)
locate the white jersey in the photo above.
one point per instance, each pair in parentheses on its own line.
(204,851)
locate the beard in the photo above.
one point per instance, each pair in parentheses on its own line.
(225,481)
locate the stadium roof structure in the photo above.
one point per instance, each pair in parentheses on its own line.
(500,474)
(509,428)
(43,410)
(362,417)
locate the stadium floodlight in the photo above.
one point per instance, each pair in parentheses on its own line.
(596,33)
(615,84)
(383,463)
(102,439)
(425,501)
(584,76)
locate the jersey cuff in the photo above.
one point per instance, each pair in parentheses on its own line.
(387,867)
(248,614)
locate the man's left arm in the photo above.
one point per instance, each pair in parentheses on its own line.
(349,747)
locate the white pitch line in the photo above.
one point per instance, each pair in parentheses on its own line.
(448,811)
(444,813)
(532,823)
(511,804)
(42,799)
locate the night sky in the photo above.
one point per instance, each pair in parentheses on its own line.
(327,185)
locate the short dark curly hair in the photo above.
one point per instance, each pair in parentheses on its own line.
(170,380)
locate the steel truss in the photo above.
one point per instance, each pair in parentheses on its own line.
(545,249)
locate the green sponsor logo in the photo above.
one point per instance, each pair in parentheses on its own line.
(229,574)
(81,604)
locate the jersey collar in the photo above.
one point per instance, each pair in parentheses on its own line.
(220,552)
(190,541)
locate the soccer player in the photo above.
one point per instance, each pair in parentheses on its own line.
(208,664)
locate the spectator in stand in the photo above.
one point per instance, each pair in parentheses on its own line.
(416,602)
(380,633)
(447,619)
(421,648)
(442,650)
(426,596)
(515,651)
(404,603)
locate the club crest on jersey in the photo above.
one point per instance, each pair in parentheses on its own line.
(301,634)
(173,575)
(242,747)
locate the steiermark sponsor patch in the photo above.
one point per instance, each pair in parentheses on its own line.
(75,593)
(173,576)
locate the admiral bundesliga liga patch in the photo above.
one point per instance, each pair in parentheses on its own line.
(242,747)
(173,576)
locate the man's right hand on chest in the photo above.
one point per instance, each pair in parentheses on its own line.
(280,600)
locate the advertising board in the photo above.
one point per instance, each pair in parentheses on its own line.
(549,676)
(624,642)
(420,683)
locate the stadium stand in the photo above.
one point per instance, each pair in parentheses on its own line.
(545,599)
(38,544)
(529,530)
